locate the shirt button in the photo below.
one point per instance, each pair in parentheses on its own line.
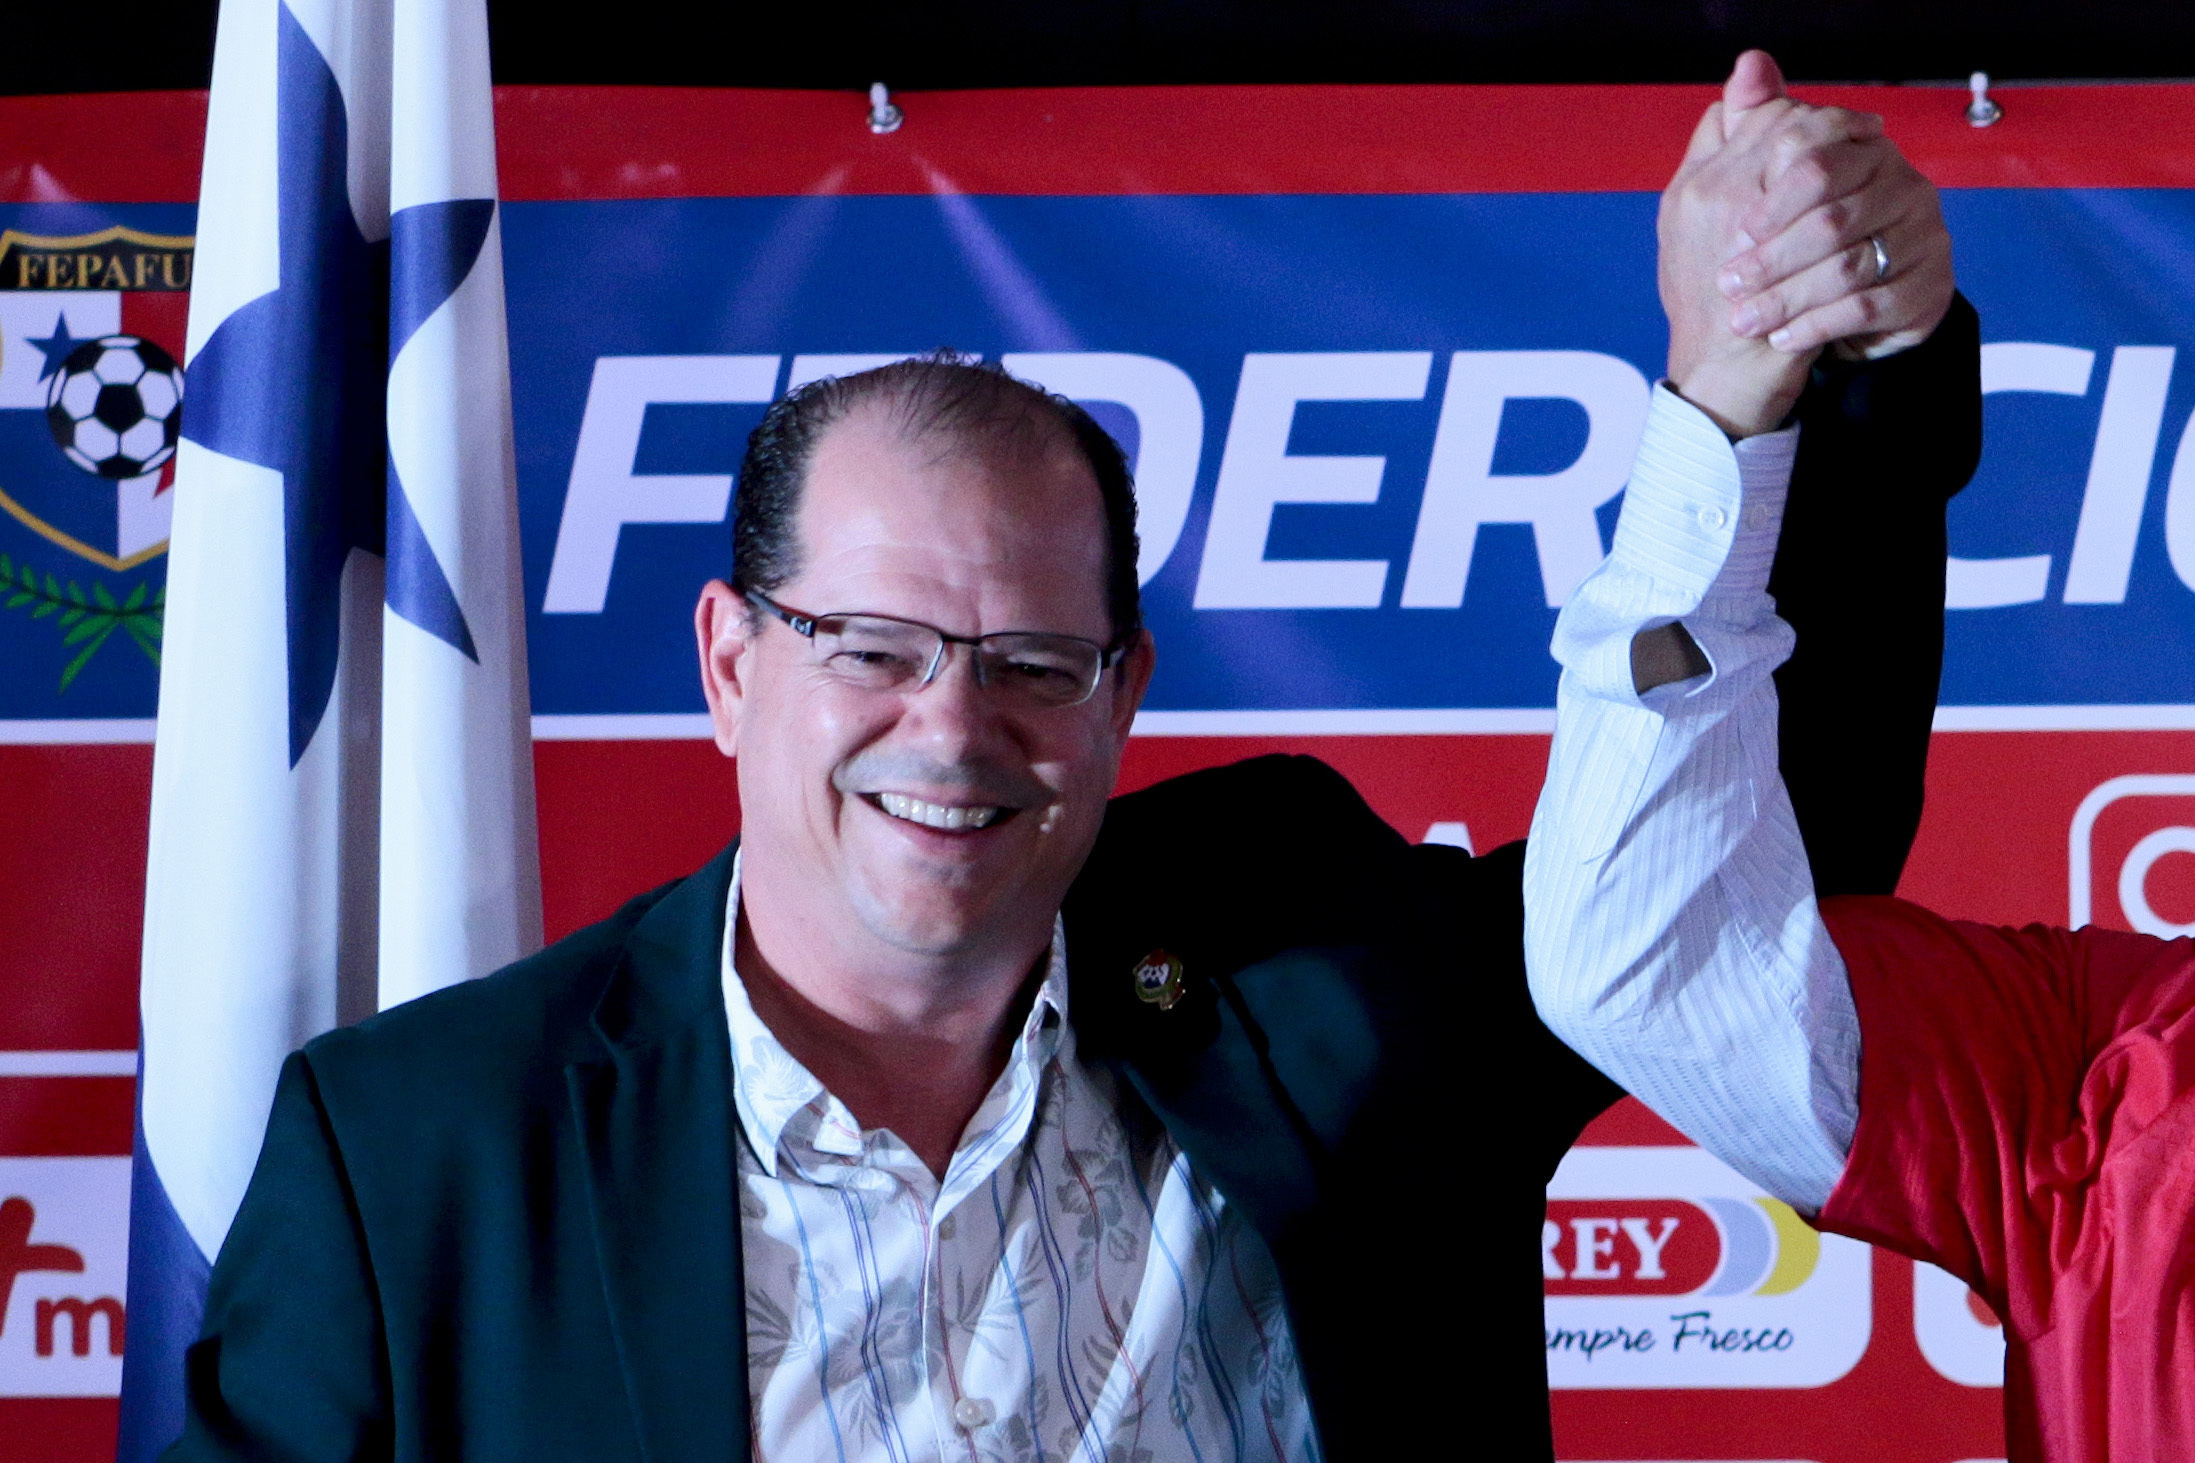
(1712,518)
(973,1412)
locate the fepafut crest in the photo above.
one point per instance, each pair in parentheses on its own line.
(91,332)
(1665,1268)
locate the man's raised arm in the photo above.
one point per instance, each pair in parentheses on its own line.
(1859,578)
(1671,929)
(1890,429)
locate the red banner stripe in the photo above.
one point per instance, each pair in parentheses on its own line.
(106,147)
(43,1117)
(668,142)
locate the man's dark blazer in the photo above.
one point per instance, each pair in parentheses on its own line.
(500,1223)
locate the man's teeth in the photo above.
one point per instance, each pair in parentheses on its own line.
(934,815)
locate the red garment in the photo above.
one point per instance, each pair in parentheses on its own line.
(2027,1121)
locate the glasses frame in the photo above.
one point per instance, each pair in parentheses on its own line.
(805,625)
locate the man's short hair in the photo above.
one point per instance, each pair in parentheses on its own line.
(939,393)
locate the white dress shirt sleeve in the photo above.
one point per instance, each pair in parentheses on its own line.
(1670,925)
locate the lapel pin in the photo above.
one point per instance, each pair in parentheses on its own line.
(1158,980)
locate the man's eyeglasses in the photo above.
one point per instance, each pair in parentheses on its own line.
(883,653)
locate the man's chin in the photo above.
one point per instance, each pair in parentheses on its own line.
(931,936)
(940,922)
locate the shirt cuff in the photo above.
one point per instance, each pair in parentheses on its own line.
(1702,514)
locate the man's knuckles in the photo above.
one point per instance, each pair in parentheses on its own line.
(1754,123)
(1815,173)
(1870,310)
(1863,313)
(1822,233)
(1804,170)
(1794,297)
(1828,125)
(1915,295)
(1857,264)
(1820,147)
(1895,197)
(1704,206)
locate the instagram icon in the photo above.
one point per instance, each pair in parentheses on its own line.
(2131,855)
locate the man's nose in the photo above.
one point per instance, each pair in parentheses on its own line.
(952,709)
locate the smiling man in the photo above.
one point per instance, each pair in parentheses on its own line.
(916,801)
(955,1113)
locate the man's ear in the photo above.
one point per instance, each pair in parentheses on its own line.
(1130,679)
(723,634)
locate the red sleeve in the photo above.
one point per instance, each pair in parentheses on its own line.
(1999,1069)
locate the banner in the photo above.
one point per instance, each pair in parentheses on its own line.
(1380,356)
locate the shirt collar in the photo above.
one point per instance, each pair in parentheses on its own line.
(784,1109)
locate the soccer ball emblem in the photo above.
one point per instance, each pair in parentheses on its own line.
(115,406)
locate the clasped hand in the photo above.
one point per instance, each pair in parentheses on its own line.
(1769,249)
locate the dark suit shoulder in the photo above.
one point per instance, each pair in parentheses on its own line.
(1239,842)
(414,1271)
(1269,853)
(1228,867)
(1271,802)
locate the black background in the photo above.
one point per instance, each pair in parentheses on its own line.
(118,45)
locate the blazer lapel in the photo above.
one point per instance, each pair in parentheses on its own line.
(656,1125)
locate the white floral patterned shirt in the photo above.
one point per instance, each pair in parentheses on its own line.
(1071,1291)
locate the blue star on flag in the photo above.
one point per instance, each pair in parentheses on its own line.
(56,346)
(297,380)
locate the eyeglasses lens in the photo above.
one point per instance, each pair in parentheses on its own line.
(1047,670)
(879,654)
(874,653)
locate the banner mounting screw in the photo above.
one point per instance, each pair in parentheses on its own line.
(1981,111)
(884,116)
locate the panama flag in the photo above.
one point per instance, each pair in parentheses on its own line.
(342,808)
